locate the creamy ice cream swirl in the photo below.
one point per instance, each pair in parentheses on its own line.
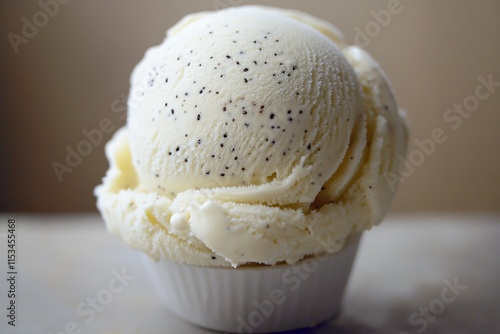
(254,135)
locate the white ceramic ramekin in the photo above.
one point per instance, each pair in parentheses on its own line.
(256,299)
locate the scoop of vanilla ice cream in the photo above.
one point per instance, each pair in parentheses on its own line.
(253,135)
(255,100)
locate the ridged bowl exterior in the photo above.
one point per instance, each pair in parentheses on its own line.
(255,299)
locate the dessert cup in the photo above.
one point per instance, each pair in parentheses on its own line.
(256,298)
(253,134)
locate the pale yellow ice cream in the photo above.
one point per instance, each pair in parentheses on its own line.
(253,135)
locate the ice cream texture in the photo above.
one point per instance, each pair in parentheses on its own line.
(254,135)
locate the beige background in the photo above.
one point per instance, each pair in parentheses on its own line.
(65,79)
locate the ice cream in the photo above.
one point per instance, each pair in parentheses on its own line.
(254,135)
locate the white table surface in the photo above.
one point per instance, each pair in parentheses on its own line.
(401,268)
